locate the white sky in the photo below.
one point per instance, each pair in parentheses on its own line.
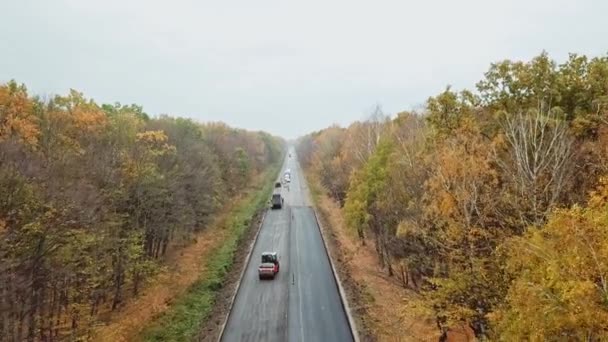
(287,67)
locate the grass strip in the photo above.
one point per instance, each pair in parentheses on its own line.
(183,320)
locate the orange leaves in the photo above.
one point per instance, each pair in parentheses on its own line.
(446,205)
(75,121)
(89,120)
(82,115)
(463,179)
(17,115)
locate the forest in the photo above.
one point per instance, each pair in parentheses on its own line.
(93,196)
(491,203)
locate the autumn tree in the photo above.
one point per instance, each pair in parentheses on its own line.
(17,114)
(364,136)
(408,171)
(537,162)
(560,289)
(457,194)
(366,189)
(94,196)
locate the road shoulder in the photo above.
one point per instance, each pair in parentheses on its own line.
(218,317)
(379,305)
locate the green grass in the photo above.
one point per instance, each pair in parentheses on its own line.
(183,320)
(315,191)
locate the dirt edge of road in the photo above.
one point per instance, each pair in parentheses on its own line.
(378,317)
(343,296)
(211,329)
(354,292)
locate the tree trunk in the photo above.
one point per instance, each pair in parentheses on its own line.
(118,280)
(404,275)
(361,235)
(379,251)
(413,277)
(136,281)
(386,252)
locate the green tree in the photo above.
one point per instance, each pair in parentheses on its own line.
(366,188)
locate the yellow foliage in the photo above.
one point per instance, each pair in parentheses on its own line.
(156,141)
(405,228)
(460,189)
(16,115)
(152,137)
(76,120)
(599,196)
(561,288)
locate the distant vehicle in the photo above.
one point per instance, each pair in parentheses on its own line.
(270,265)
(288,171)
(287,179)
(277,200)
(277,184)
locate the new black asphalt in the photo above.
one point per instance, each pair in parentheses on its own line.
(302,303)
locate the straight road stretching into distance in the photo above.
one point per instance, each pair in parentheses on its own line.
(302,303)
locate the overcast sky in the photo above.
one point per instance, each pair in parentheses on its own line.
(287,67)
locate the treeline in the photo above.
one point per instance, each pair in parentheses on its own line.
(491,203)
(92,196)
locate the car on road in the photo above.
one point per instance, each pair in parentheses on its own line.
(277,200)
(277,185)
(287,178)
(270,265)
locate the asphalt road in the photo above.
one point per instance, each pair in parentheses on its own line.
(302,303)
